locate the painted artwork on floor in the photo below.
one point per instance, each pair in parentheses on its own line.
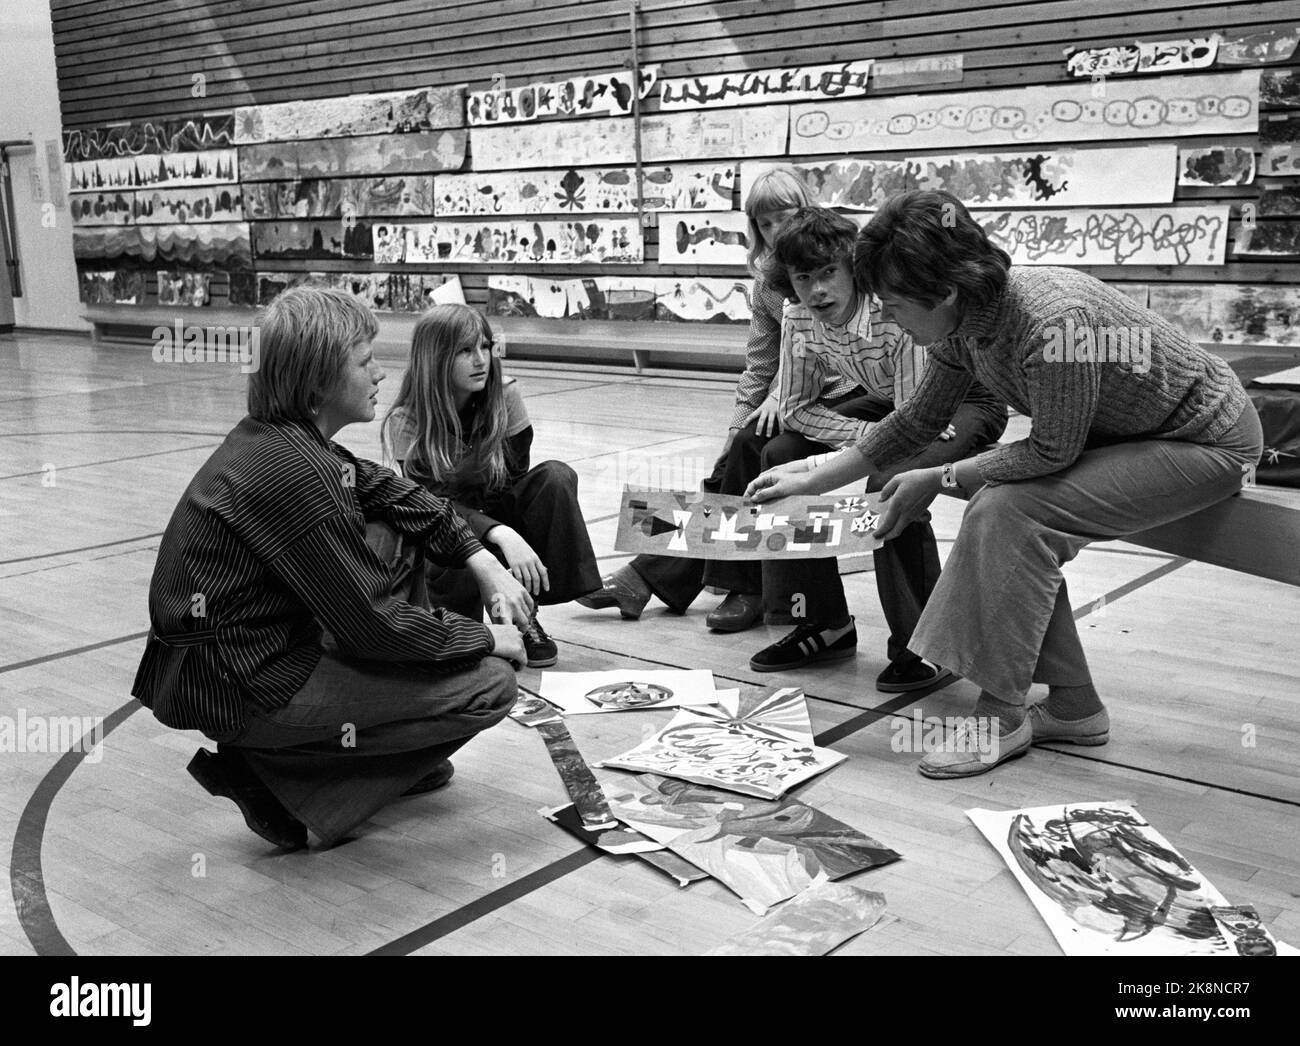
(679,187)
(750,86)
(693,136)
(1038,178)
(207,203)
(617,840)
(703,299)
(397,112)
(1230,313)
(1268,238)
(581,784)
(218,245)
(1181,235)
(1170,106)
(134,172)
(1105,881)
(625,690)
(577,96)
(1227,165)
(102,208)
(720,526)
(706,238)
(191,289)
(389,197)
(111,287)
(502,241)
(1242,928)
(371,155)
(529,710)
(814,922)
(758,745)
(762,850)
(193,134)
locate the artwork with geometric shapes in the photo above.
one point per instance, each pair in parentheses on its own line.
(762,850)
(706,238)
(1178,235)
(624,690)
(372,154)
(592,241)
(750,86)
(703,299)
(133,172)
(1217,165)
(335,197)
(1213,104)
(422,109)
(757,745)
(680,187)
(192,134)
(1105,881)
(814,922)
(722,526)
(1041,177)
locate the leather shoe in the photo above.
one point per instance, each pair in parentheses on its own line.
(1091,730)
(224,773)
(438,777)
(623,589)
(910,674)
(971,751)
(738,612)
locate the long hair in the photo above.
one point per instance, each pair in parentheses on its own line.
(921,244)
(444,454)
(777,189)
(812,238)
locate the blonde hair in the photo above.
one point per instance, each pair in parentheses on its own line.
(442,454)
(778,188)
(305,337)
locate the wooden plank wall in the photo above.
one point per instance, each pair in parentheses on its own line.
(139,58)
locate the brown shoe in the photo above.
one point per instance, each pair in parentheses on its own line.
(739,612)
(623,589)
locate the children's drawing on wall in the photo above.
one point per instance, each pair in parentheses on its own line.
(386,291)
(111,287)
(750,86)
(1280,89)
(192,134)
(1280,160)
(703,299)
(277,240)
(707,238)
(191,289)
(1164,56)
(371,154)
(522,241)
(220,244)
(1269,45)
(423,109)
(1280,202)
(212,203)
(132,172)
(578,96)
(1272,238)
(102,208)
(1182,235)
(1228,165)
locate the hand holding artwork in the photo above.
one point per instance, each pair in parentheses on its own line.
(781,482)
(526,566)
(904,498)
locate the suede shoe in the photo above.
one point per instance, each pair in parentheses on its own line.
(962,755)
(805,645)
(540,648)
(910,673)
(1091,730)
(225,774)
(438,777)
(624,589)
(739,612)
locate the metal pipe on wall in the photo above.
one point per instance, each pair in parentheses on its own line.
(8,220)
(633,8)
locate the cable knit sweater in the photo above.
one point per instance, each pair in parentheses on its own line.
(1084,361)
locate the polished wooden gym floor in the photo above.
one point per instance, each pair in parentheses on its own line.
(123,853)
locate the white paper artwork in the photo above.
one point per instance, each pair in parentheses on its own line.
(704,238)
(624,690)
(1192,235)
(746,86)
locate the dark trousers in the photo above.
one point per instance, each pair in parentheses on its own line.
(907,566)
(677,580)
(543,507)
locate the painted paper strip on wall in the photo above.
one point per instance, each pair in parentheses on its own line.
(578,96)
(703,299)
(1271,45)
(1274,239)
(748,86)
(592,298)
(133,172)
(111,287)
(814,922)
(1231,314)
(555,242)
(190,289)
(721,526)
(1165,56)
(102,208)
(705,238)
(194,134)
(1230,165)
(680,187)
(1280,202)
(323,239)
(212,203)
(398,112)
(335,197)
(1041,177)
(1105,881)
(1184,235)
(889,73)
(698,135)
(1219,103)
(1280,89)
(1275,129)
(219,244)
(1280,161)
(382,291)
(374,154)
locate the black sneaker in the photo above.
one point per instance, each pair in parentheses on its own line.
(910,673)
(541,649)
(805,645)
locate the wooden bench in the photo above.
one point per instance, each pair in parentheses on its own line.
(713,346)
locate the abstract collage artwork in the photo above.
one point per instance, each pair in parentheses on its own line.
(814,922)
(585,693)
(371,155)
(424,109)
(722,526)
(758,745)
